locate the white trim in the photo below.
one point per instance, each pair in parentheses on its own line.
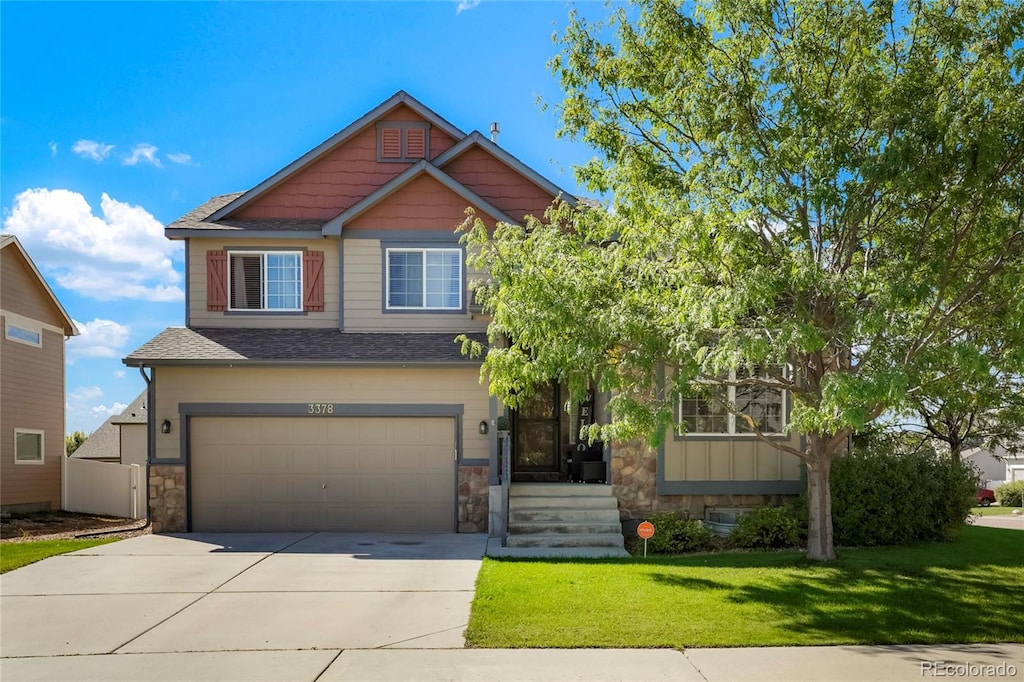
(42,446)
(263,279)
(424,251)
(30,323)
(37,331)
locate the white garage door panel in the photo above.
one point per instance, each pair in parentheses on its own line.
(331,473)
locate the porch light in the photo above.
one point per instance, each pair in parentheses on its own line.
(165,427)
(484,427)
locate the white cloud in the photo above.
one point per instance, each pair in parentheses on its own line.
(142,152)
(84,394)
(119,373)
(104,411)
(97,339)
(121,254)
(53,148)
(91,149)
(181,158)
(464,5)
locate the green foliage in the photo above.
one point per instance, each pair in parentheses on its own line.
(1010,494)
(73,440)
(889,494)
(768,528)
(676,535)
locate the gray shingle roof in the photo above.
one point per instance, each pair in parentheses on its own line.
(103,443)
(180,345)
(135,413)
(196,219)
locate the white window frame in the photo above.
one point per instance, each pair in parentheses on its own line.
(263,277)
(37,331)
(424,251)
(731,417)
(42,446)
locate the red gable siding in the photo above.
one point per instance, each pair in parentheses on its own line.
(499,184)
(423,204)
(338,179)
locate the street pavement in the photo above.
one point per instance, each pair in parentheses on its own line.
(332,606)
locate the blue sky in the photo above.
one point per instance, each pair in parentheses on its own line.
(116,119)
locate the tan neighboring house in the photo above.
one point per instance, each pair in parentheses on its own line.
(317,385)
(121,439)
(35,326)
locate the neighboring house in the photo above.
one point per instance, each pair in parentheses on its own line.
(35,326)
(120,439)
(996,465)
(316,384)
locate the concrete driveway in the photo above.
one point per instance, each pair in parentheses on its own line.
(266,606)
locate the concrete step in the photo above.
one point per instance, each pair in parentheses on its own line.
(549,502)
(564,540)
(559,490)
(568,528)
(542,514)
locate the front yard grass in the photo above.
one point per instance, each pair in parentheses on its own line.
(963,591)
(17,554)
(993,511)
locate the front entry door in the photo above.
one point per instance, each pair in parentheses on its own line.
(537,428)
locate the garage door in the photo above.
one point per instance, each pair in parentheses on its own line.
(322,473)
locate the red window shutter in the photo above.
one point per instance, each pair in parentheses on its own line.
(415,143)
(313,281)
(216,280)
(391,143)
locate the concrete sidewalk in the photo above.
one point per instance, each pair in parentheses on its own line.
(778,664)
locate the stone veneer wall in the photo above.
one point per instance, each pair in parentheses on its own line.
(473,499)
(167,498)
(634,483)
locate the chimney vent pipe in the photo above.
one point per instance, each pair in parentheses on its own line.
(495,129)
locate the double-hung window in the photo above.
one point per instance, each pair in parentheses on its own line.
(270,280)
(424,279)
(709,413)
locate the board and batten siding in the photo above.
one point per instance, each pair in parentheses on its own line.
(200,317)
(728,459)
(32,397)
(364,297)
(338,385)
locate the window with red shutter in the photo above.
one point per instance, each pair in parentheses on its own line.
(313,281)
(216,280)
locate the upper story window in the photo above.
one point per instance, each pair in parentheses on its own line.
(424,279)
(270,280)
(28,446)
(402,141)
(32,337)
(708,414)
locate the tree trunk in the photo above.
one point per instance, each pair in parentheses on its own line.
(820,545)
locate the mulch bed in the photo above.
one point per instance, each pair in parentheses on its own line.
(52,525)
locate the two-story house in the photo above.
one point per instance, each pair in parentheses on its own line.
(34,328)
(316,383)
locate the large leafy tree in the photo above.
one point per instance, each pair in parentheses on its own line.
(829,186)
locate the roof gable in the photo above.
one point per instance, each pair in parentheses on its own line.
(9,244)
(396,102)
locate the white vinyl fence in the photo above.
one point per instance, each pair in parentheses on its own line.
(105,488)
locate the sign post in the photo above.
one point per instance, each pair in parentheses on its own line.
(646,531)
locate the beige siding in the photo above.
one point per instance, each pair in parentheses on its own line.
(21,291)
(199,316)
(133,444)
(728,459)
(32,397)
(363,297)
(355,385)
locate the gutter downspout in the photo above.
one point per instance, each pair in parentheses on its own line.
(150,430)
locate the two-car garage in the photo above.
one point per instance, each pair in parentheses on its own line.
(322,473)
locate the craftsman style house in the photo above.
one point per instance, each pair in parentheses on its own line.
(316,383)
(34,327)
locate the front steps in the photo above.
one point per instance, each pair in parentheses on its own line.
(563,516)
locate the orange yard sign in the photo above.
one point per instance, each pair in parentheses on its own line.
(645,530)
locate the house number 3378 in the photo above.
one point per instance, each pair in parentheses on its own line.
(320,408)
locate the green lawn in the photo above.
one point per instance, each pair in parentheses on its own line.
(993,511)
(17,554)
(963,591)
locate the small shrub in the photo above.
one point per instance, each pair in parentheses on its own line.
(1010,494)
(676,535)
(767,528)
